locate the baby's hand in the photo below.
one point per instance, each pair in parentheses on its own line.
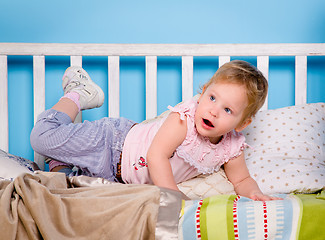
(262,197)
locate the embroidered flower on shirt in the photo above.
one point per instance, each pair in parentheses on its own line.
(140,163)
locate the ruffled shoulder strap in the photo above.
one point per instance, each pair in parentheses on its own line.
(186,108)
(235,143)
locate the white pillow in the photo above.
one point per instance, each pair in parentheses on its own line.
(12,166)
(288,149)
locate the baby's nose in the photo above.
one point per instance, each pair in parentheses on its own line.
(214,112)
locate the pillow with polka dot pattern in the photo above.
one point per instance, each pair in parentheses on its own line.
(287,149)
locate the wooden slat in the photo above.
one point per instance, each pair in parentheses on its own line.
(114,86)
(39,96)
(39,85)
(263,66)
(82,49)
(223,60)
(77,61)
(301,80)
(187,77)
(151,87)
(4,136)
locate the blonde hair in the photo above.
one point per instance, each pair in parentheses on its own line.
(245,74)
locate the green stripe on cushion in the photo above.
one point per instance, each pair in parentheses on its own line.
(203,219)
(230,218)
(313,220)
(213,218)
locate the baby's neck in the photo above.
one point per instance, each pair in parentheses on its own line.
(216,140)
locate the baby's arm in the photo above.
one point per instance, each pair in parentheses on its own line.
(170,135)
(238,174)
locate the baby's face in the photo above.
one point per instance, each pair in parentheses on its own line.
(220,110)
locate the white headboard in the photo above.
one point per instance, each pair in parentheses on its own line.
(151,52)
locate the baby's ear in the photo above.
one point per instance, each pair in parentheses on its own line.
(242,126)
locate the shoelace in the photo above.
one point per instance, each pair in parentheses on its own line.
(76,83)
(73,84)
(81,75)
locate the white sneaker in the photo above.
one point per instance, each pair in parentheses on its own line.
(76,79)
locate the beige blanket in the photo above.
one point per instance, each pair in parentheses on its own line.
(51,206)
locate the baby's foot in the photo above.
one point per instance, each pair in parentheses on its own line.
(76,79)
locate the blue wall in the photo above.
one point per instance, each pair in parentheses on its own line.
(153,21)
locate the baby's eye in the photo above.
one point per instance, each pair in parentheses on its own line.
(228,110)
(212,98)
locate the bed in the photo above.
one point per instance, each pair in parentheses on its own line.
(286,158)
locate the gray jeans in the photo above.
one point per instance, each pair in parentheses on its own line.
(94,147)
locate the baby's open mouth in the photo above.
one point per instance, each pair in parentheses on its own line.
(207,122)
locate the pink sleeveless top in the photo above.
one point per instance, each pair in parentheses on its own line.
(194,156)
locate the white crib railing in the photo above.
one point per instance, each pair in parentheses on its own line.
(151,52)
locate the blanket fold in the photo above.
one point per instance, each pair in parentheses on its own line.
(50,206)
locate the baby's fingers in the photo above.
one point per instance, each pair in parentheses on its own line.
(276,198)
(262,197)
